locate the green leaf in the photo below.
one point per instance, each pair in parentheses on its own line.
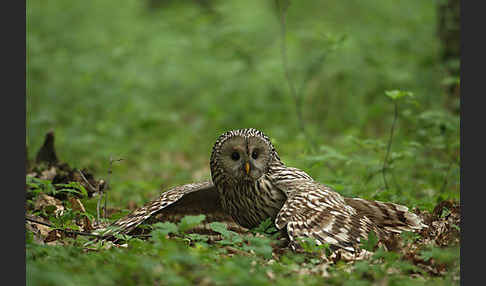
(197,237)
(370,243)
(122,236)
(220,228)
(189,222)
(398,94)
(447,255)
(310,245)
(409,236)
(445,212)
(260,245)
(266,226)
(458,228)
(38,185)
(230,237)
(164,228)
(73,187)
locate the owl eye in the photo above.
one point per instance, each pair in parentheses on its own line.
(254,154)
(235,156)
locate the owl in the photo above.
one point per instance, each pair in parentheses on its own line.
(249,184)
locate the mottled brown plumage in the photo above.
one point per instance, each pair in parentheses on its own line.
(250,184)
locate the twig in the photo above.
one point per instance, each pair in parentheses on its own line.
(93,189)
(385,161)
(98,208)
(108,182)
(65,230)
(81,232)
(101,190)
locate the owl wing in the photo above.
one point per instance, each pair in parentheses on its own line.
(313,210)
(173,204)
(390,217)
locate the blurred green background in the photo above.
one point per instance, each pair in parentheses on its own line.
(156,82)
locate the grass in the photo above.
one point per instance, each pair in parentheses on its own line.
(156,85)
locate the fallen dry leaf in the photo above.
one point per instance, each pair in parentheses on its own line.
(53,235)
(84,223)
(48,174)
(49,204)
(270,274)
(77,205)
(40,231)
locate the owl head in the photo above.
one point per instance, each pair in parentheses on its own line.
(241,155)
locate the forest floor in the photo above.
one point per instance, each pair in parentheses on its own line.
(61,243)
(355,93)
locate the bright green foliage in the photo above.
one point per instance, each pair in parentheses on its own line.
(164,228)
(189,222)
(38,186)
(370,243)
(266,227)
(448,257)
(398,94)
(157,84)
(229,237)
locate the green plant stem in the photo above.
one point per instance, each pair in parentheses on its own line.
(390,140)
(283,47)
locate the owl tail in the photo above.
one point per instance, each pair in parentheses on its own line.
(389,216)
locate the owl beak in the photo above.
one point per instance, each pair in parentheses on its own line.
(247,168)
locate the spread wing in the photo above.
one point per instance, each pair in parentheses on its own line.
(172,205)
(388,216)
(313,210)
